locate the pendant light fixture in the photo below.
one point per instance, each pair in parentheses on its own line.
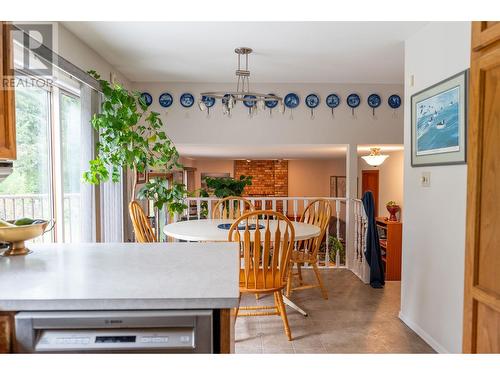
(375,158)
(242,93)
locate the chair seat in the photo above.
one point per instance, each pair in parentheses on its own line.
(271,285)
(302,257)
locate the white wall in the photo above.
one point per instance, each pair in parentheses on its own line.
(311,177)
(80,54)
(190,126)
(434,217)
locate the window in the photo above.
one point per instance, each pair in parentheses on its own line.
(26,192)
(46,179)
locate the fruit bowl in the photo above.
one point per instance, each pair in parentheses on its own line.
(16,235)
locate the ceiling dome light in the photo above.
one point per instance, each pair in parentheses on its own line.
(375,158)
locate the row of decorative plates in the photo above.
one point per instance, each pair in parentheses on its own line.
(291,100)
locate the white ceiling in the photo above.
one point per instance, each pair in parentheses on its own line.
(289,52)
(286,151)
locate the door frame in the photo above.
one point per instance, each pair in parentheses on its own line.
(377,197)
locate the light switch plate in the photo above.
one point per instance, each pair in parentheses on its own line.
(425,179)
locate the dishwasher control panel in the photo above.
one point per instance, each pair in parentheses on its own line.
(175,331)
(142,339)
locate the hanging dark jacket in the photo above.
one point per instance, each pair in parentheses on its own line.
(372,253)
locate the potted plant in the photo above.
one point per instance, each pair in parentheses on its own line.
(223,187)
(393,209)
(336,247)
(131,136)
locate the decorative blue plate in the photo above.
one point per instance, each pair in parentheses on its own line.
(374,100)
(249,103)
(353,100)
(292,100)
(333,101)
(166,100)
(208,100)
(271,103)
(148,99)
(312,100)
(187,100)
(240,227)
(394,101)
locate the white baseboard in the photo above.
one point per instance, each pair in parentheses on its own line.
(424,335)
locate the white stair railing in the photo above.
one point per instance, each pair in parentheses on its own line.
(357,263)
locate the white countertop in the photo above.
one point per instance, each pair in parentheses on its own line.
(97,276)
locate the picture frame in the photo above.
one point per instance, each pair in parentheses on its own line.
(142,177)
(439,123)
(338,186)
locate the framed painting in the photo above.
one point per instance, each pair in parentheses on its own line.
(338,186)
(142,177)
(439,123)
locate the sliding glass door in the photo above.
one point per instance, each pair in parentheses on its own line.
(70,120)
(46,180)
(27,191)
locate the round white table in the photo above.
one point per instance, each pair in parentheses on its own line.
(207,230)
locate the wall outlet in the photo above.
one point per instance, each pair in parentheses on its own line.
(425,179)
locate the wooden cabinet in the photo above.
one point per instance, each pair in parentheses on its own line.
(481,330)
(390,237)
(6,332)
(7,104)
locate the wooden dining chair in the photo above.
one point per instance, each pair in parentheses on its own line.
(265,260)
(231,208)
(142,227)
(318,213)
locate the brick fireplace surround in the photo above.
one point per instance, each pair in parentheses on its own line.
(270,177)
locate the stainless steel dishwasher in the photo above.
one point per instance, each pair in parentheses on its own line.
(147,331)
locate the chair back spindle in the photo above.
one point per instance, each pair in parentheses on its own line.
(266,251)
(318,212)
(231,208)
(142,227)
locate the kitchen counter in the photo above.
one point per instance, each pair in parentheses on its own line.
(119,276)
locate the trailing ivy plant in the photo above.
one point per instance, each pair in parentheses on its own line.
(131,136)
(159,191)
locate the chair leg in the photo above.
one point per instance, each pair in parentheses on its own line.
(257,296)
(299,268)
(320,281)
(289,280)
(237,309)
(282,311)
(277,303)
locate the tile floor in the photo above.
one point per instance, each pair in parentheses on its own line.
(355,319)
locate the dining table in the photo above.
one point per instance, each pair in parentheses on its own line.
(217,230)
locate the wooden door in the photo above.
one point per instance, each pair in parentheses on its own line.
(7,104)
(482,260)
(369,182)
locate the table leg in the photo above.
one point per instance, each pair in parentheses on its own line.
(297,308)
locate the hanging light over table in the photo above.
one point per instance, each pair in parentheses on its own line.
(242,93)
